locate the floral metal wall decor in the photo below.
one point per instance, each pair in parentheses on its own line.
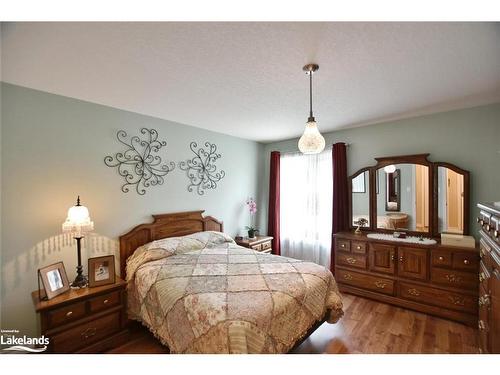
(201,169)
(138,165)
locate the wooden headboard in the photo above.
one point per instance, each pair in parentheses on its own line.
(163,226)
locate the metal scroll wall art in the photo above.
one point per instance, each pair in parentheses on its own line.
(201,169)
(138,164)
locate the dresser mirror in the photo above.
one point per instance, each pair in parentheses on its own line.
(360,197)
(411,194)
(403,198)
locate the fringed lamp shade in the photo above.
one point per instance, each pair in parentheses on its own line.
(78,221)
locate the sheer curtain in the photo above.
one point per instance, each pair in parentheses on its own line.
(306,191)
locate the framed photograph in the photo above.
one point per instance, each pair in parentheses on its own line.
(54,280)
(101,270)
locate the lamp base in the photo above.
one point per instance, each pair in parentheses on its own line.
(80,280)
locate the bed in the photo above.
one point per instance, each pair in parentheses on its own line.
(197,291)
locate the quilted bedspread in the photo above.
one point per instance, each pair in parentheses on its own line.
(202,293)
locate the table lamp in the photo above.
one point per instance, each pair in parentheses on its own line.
(78,223)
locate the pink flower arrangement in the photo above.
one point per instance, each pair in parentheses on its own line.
(252,206)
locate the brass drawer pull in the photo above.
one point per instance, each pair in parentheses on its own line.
(351,260)
(342,245)
(441,258)
(380,284)
(452,278)
(348,276)
(105,301)
(392,257)
(482,277)
(414,292)
(481,325)
(358,247)
(459,301)
(401,259)
(69,313)
(484,300)
(89,332)
(466,261)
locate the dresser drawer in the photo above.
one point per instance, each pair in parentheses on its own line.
(437,297)
(344,245)
(104,302)
(456,279)
(85,334)
(257,247)
(266,246)
(465,261)
(66,314)
(375,283)
(351,260)
(358,247)
(441,258)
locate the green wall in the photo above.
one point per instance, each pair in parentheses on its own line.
(53,149)
(469,138)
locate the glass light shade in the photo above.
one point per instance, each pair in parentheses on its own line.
(390,168)
(78,220)
(311,142)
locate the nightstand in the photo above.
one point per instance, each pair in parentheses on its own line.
(259,243)
(87,320)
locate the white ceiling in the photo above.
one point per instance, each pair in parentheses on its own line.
(246,79)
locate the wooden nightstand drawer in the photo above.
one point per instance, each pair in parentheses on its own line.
(266,246)
(85,334)
(104,302)
(257,247)
(66,314)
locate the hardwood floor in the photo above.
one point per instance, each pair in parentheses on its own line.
(367,327)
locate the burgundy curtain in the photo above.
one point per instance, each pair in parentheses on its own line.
(340,218)
(273,222)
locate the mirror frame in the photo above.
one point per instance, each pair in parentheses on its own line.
(433,192)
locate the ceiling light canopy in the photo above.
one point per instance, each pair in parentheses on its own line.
(311,142)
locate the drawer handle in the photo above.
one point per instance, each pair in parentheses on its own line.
(401,259)
(351,260)
(343,245)
(481,325)
(484,300)
(380,284)
(441,258)
(358,247)
(458,301)
(105,301)
(392,257)
(348,276)
(452,278)
(69,313)
(482,277)
(89,332)
(466,261)
(414,292)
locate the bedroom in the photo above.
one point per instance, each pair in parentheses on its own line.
(250,187)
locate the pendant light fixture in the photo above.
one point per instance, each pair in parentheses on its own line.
(311,142)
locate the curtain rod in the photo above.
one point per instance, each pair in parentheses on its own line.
(297,151)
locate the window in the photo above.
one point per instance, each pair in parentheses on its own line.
(306,190)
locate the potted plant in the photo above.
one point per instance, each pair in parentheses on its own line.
(252,208)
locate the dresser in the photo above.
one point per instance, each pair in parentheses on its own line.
(434,279)
(489,277)
(259,243)
(87,320)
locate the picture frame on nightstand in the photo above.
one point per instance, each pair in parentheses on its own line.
(52,281)
(101,270)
